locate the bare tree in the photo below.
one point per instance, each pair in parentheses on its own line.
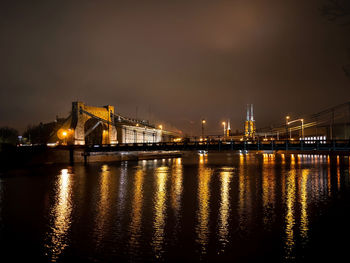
(337,11)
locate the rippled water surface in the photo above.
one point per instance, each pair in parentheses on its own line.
(215,207)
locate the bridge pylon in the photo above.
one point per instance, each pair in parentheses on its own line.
(81,113)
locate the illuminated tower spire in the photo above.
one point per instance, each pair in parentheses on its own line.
(249,125)
(228,128)
(251,113)
(248,113)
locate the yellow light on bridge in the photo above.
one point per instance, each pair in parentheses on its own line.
(63,134)
(160,127)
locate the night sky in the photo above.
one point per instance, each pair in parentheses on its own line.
(175,61)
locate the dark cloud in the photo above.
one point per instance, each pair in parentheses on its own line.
(177,61)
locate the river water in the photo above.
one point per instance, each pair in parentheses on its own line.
(213,207)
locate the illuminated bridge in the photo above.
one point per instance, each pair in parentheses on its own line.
(102,125)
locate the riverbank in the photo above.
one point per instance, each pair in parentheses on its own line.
(15,157)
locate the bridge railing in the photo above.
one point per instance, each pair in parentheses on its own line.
(321,145)
(328,145)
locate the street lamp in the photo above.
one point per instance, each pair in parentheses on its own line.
(302,126)
(203,122)
(287,118)
(302,129)
(64,135)
(160,127)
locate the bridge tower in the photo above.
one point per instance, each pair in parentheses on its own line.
(81,113)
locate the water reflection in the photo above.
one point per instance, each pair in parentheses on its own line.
(160,196)
(268,189)
(224,212)
(202,228)
(244,193)
(103,205)
(123,182)
(157,211)
(136,210)
(290,214)
(1,204)
(60,216)
(303,204)
(176,191)
(329,183)
(338,173)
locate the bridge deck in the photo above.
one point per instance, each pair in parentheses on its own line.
(334,145)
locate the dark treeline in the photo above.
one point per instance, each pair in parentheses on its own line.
(39,134)
(8,135)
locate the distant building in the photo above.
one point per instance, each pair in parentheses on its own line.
(249,124)
(127,133)
(228,131)
(140,131)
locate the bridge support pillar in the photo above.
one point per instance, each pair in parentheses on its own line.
(71,155)
(81,113)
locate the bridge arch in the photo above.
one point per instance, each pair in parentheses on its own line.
(104,117)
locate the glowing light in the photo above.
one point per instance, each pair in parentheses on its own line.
(160,127)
